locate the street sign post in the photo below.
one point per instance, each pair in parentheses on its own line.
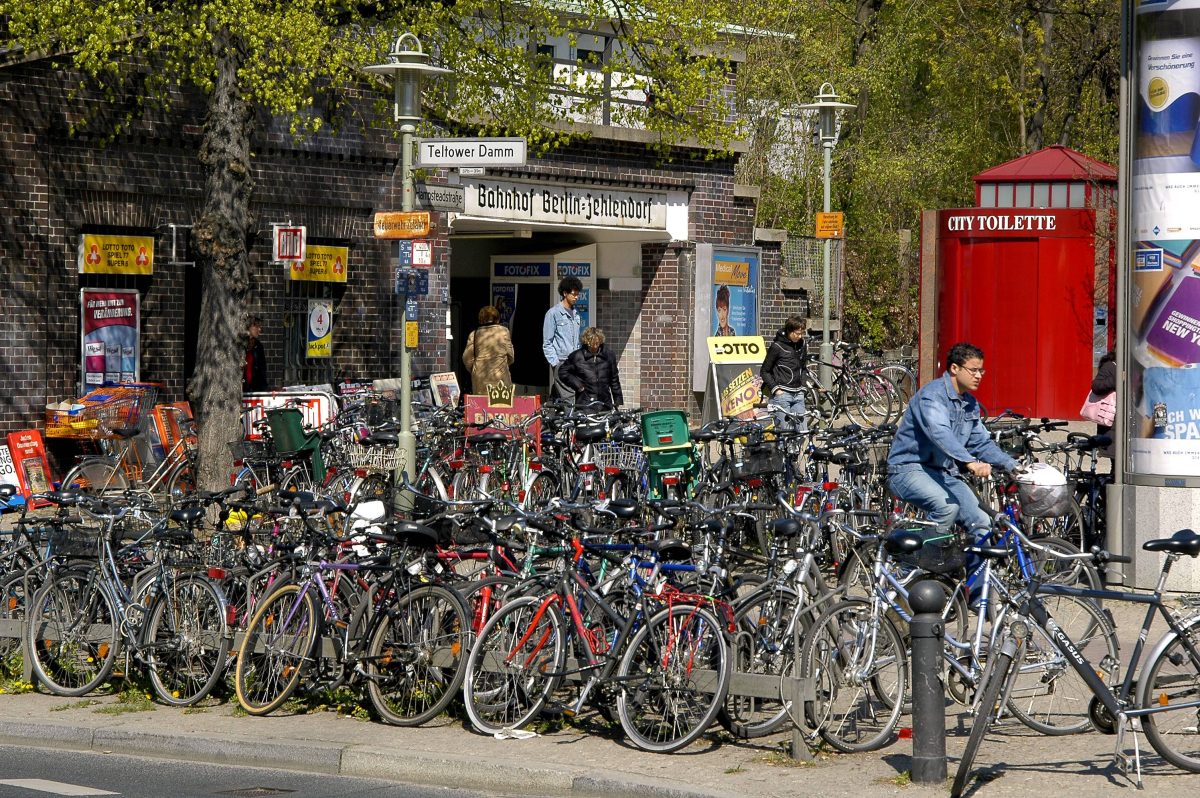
(412,282)
(440,197)
(401,224)
(471,152)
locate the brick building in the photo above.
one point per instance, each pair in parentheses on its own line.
(58,186)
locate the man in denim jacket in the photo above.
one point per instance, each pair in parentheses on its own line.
(560,333)
(940,436)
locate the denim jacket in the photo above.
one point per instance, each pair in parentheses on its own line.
(942,430)
(560,333)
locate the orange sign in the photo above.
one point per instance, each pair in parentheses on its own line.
(29,459)
(402,224)
(831,225)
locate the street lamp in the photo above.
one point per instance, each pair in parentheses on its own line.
(827,108)
(407,64)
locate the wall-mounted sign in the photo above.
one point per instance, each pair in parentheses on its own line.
(288,242)
(439,197)
(322,264)
(105,254)
(471,152)
(401,224)
(110,336)
(534,269)
(320,328)
(566,204)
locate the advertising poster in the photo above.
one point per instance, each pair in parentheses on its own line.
(28,454)
(320,328)
(734,293)
(110,331)
(504,299)
(734,385)
(444,388)
(322,264)
(1164,267)
(105,254)
(583,305)
(479,409)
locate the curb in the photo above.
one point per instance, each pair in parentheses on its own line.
(412,767)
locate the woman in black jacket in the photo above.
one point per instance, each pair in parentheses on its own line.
(591,371)
(785,369)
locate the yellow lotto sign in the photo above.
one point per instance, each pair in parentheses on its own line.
(321,264)
(737,349)
(731,272)
(411,335)
(104,254)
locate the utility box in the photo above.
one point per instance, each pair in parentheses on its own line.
(1027,281)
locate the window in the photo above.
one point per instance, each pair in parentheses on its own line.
(1021,193)
(1058,195)
(1004,195)
(1041,195)
(987,195)
(1078,192)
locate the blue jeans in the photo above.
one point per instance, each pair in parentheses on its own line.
(792,403)
(943,497)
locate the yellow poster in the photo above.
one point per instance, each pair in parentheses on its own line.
(320,328)
(411,336)
(325,264)
(105,254)
(740,394)
(731,272)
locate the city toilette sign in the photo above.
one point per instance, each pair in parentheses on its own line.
(566,204)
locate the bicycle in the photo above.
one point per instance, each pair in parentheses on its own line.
(1167,700)
(855,391)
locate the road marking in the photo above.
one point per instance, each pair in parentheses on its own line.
(56,787)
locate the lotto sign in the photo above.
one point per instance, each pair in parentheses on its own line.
(102,254)
(734,382)
(322,264)
(288,242)
(737,349)
(320,328)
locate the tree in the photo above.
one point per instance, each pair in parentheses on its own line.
(254,60)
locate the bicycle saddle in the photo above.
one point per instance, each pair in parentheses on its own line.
(187,515)
(591,434)
(904,541)
(632,436)
(702,435)
(785,527)
(624,509)
(669,549)
(409,534)
(1185,541)
(376,438)
(486,437)
(124,432)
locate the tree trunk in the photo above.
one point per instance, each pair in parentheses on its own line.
(221,235)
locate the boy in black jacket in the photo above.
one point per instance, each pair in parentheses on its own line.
(784,371)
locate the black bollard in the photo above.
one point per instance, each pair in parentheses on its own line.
(927,599)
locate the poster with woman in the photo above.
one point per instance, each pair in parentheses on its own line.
(734,293)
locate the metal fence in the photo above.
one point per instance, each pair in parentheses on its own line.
(803,257)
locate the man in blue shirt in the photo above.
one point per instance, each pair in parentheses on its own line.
(560,332)
(940,436)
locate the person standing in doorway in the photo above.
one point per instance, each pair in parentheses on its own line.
(489,352)
(560,332)
(784,371)
(254,373)
(591,371)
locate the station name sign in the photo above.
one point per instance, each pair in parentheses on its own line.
(563,204)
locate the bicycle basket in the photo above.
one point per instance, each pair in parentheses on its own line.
(756,461)
(250,450)
(379,458)
(69,541)
(619,457)
(1044,501)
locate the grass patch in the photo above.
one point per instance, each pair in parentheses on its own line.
(195,710)
(11,682)
(81,704)
(735,769)
(133,698)
(783,759)
(902,779)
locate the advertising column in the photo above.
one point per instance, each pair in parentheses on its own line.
(1159,402)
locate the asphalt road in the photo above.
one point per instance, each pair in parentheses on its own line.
(32,772)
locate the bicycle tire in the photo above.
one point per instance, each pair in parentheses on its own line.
(416,655)
(1078,573)
(541,489)
(72,634)
(1047,695)
(182,482)
(667,697)
(484,598)
(96,478)
(874,699)
(187,641)
(763,644)
(514,665)
(1171,675)
(15,590)
(989,699)
(287,633)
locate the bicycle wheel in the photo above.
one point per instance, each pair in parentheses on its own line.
(72,634)
(15,590)
(859,667)
(416,654)
(540,491)
(181,482)
(869,399)
(989,699)
(1059,570)
(619,486)
(1047,695)
(674,678)
(763,645)
(483,598)
(1171,678)
(95,477)
(276,648)
(514,665)
(187,641)
(467,484)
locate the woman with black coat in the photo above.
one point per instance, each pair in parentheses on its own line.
(591,371)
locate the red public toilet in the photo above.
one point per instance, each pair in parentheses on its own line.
(1027,276)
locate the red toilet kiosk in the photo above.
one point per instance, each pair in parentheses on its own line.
(1027,276)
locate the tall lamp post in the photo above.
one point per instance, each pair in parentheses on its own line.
(407,64)
(827,108)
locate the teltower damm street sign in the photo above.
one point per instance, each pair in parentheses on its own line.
(471,152)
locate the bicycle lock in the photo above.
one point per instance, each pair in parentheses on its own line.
(927,598)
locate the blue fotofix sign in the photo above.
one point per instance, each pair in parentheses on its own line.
(734,293)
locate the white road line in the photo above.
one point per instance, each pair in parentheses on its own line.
(55,787)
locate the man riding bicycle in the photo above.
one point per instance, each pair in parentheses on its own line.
(941,436)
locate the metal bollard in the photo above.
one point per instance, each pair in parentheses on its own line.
(927,599)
